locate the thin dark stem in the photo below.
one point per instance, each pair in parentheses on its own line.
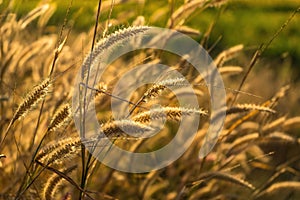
(83,150)
(56,54)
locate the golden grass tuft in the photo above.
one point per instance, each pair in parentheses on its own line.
(225,177)
(159,87)
(256,157)
(123,127)
(248,107)
(53,183)
(56,153)
(60,117)
(280,186)
(171,113)
(37,94)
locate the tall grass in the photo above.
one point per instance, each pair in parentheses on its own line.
(42,155)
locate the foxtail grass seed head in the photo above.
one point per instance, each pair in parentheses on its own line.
(157,88)
(60,117)
(111,40)
(52,184)
(248,107)
(171,113)
(124,127)
(65,149)
(32,99)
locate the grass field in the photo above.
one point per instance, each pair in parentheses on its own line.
(242,20)
(49,145)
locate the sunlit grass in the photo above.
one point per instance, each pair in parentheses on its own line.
(250,21)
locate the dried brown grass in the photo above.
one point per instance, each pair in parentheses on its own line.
(257,151)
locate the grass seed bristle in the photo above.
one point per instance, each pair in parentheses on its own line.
(276,187)
(228,54)
(60,117)
(52,184)
(248,107)
(32,98)
(172,113)
(64,151)
(111,40)
(157,88)
(120,127)
(225,177)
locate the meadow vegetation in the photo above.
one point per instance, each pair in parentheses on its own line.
(43,45)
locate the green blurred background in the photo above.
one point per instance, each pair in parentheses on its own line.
(248,22)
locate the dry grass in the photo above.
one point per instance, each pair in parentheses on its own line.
(43,157)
